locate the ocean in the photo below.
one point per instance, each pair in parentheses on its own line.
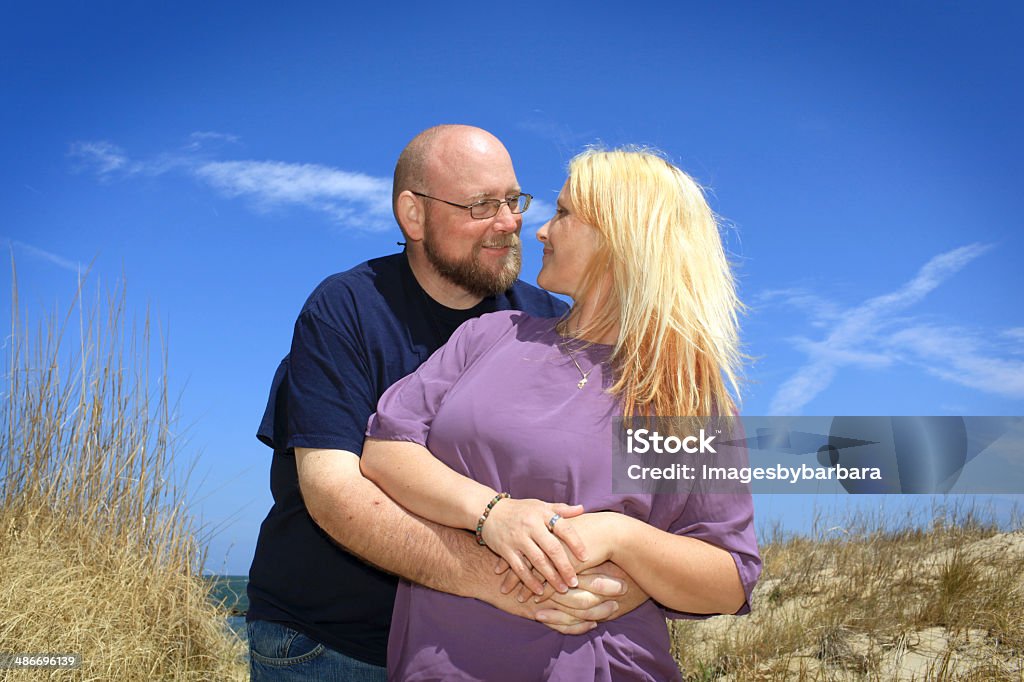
(228,592)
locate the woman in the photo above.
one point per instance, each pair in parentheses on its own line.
(524,406)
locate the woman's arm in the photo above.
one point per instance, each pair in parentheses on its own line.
(680,572)
(515,529)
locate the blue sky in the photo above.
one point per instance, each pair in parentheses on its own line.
(866,159)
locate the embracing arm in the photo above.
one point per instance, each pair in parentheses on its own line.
(681,573)
(426,486)
(368,523)
(361,518)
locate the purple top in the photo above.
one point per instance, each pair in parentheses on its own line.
(500,404)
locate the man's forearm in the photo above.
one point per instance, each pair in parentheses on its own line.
(368,523)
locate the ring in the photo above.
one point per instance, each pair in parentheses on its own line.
(553,521)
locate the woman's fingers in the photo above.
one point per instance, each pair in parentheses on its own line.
(510,582)
(567,510)
(522,593)
(525,594)
(548,556)
(567,534)
(526,534)
(517,528)
(517,562)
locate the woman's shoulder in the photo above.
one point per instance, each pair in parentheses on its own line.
(515,318)
(516,322)
(506,326)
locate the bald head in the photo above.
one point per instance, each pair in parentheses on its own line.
(443,150)
(456,257)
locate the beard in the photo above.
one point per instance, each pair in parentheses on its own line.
(469,272)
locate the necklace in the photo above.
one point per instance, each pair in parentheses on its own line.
(583,375)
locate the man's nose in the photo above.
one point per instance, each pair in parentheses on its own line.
(507,221)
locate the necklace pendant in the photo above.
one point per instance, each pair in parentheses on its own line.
(582,383)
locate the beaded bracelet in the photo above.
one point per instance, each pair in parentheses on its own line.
(483,517)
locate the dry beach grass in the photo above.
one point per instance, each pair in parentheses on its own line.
(869,602)
(98,556)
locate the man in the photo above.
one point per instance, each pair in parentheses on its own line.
(317,608)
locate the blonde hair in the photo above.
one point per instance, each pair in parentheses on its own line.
(672,295)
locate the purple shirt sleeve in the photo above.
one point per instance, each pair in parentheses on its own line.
(406,410)
(725,521)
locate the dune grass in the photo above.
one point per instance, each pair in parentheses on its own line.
(98,555)
(867,601)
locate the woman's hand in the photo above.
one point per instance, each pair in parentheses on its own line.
(595,531)
(519,532)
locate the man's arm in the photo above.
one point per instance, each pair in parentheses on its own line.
(364,520)
(410,474)
(369,524)
(587,602)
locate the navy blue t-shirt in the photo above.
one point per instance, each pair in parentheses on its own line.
(359,332)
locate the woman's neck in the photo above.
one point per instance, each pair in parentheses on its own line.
(581,323)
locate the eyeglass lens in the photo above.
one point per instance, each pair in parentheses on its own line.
(490,208)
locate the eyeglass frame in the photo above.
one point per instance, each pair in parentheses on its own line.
(497,203)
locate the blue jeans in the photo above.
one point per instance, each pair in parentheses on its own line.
(278,653)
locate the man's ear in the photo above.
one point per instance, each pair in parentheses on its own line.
(410,216)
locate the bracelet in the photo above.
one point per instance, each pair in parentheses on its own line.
(483,517)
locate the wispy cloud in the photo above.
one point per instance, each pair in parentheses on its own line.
(48,256)
(1015,335)
(101,157)
(878,333)
(963,357)
(206,138)
(352,199)
(822,312)
(109,161)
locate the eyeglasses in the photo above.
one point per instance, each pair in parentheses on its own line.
(488,208)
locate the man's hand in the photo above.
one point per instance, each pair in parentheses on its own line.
(605,592)
(580,609)
(549,612)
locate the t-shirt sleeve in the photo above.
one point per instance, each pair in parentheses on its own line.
(329,386)
(407,409)
(725,520)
